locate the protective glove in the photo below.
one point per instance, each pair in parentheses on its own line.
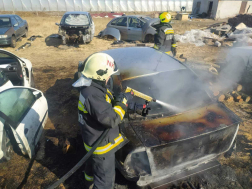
(125,97)
(141,109)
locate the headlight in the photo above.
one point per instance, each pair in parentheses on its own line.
(3,36)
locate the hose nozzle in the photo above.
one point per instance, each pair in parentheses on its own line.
(140,95)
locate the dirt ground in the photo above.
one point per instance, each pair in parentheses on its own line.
(54,66)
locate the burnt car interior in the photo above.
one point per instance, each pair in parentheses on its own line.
(12,69)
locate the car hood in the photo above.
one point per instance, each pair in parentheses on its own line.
(4,30)
(162,130)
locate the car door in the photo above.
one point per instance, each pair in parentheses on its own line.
(135,30)
(23,111)
(15,26)
(21,25)
(121,25)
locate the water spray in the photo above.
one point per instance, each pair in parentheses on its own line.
(150,99)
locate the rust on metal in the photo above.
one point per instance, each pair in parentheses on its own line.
(184,125)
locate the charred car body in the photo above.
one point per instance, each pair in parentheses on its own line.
(76,26)
(176,140)
(131,28)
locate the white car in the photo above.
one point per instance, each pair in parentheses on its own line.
(17,70)
(23,110)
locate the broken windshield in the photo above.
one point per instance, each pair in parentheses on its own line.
(5,22)
(76,20)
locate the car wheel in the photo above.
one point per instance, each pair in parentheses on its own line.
(7,147)
(13,42)
(26,33)
(149,39)
(32,81)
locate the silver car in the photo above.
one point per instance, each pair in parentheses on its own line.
(131,28)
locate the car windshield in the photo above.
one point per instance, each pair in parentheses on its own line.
(76,20)
(145,19)
(5,22)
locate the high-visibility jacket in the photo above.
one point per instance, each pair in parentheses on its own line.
(97,112)
(164,38)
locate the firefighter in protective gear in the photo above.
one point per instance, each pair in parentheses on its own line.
(164,38)
(99,110)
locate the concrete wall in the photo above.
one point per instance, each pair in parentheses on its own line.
(228,9)
(250,9)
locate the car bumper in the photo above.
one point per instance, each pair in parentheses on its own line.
(5,41)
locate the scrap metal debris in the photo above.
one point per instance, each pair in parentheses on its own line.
(32,38)
(238,30)
(26,45)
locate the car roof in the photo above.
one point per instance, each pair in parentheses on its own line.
(7,15)
(77,12)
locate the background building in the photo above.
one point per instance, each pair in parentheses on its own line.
(221,8)
(95,5)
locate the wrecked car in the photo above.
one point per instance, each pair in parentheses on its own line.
(76,26)
(12,27)
(131,28)
(185,131)
(16,70)
(23,114)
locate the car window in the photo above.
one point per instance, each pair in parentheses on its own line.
(6,59)
(114,21)
(5,22)
(3,78)
(13,21)
(19,19)
(76,19)
(133,22)
(15,103)
(122,22)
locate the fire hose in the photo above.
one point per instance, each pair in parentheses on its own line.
(81,162)
(103,135)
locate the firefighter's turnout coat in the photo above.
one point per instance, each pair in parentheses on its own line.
(164,38)
(98,111)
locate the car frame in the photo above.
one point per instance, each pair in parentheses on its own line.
(18,28)
(168,144)
(131,28)
(80,33)
(18,70)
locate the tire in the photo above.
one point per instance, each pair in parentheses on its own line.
(13,42)
(26,33)
(32,81)
(149,38)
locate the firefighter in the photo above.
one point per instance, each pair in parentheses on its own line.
(99,110)
(164,38)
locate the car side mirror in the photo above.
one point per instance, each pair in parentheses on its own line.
(37,94)
(139,26)
(15,25)
(57,24)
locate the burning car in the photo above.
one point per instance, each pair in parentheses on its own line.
(131,28)
(185,131)
(76,26)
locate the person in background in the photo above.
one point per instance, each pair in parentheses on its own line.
(164,38)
